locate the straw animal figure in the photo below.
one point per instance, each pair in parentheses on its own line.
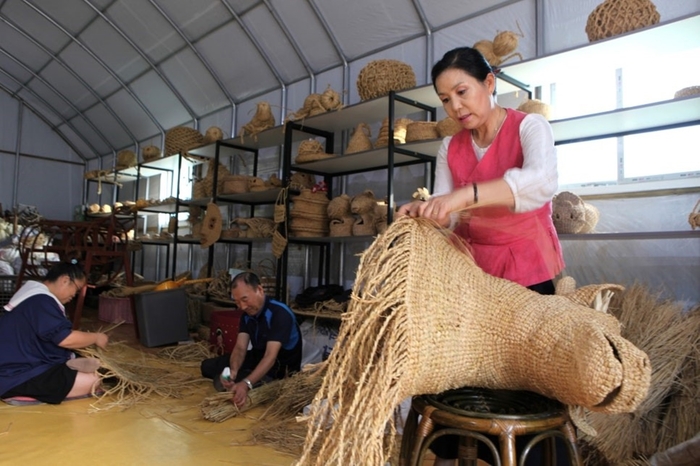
(213,134)
(571,214)
(262,120)
(315,104)
(694,217)
(424,318)
(502,48)
(138,379)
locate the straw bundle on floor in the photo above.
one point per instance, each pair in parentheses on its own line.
(297,392)
(138,377)
(190,355)
(218,407)
(402,330)
(670,414)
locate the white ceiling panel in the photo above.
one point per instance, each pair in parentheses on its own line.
(68,85)
(89,69)
(22,48)
(35,25)
(72,15)
(234,58)
(275,44)
(307,30)
(160,100)
(445,12)
(196,19)
(145,26)
(93,137)
(197,86)
(129,111)
(105,42)
(371,24)
(108,126)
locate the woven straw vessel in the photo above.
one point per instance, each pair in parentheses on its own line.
(310,151)
(400,126)
(126,158)
(448,127)
(379,77)
(235,184)
(360,140)
(424,318)
(615,17)
(536,106)
(182,139)
(421,130)
(687,92)
(150,153)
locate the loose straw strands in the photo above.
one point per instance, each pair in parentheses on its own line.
(137,379)
(297,392)
(188,355)
(218,407)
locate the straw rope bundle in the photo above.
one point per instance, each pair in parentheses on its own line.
(615,17)
(181,139)
(448,127)
(138,378)
(670,414)
(360,140)
(536,106)
(400,335)
(379,77)
(687,92)
(421,130)
(262,120)
(218,407)
(219,288)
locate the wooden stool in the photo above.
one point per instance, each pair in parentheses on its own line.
(471,413)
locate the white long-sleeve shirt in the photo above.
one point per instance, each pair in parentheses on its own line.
(534,184)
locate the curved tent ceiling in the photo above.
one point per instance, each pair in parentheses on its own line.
(107,74)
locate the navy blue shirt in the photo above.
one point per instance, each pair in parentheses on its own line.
(29,338)
(275,322)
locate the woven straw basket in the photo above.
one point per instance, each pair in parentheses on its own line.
(615,17)
(310,151)
(342,226)
(339,207)
(536,106)
(182,139)
(687,92)
(150,153)
(379,77)
(126,158)
(448,127)
(360,140)
(235,184)
(400,126)
(421,130)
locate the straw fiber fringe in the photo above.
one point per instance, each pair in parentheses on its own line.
(298,391)
(670,414)
(398,336)
(138,379)
(190,355)
(218,407)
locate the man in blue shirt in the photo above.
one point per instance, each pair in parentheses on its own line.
(269,329)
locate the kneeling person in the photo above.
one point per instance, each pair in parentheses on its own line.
(269,328)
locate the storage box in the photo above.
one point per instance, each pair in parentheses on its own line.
(162,317)
(224,330)
(113,310)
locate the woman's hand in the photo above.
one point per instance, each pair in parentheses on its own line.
(438,208)
(101,340)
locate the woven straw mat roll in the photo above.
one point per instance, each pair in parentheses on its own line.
(424,318)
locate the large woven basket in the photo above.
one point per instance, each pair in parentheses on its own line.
(235,184)
(536,106)
(448,127)
(379,77)
(615,17)
(150,153)
(310,151)
(308,202)
(182,139)
(126,158)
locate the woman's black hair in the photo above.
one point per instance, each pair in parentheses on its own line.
(71,269)
(249,278)
(467,59)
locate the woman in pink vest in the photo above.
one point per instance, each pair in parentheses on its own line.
(494,181)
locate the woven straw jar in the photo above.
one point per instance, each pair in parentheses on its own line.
(379,77)
(447,127)
(360,140)
(126,158)
(310,151)
(400,126)
(308,214)
(150,153)
(181,139)
(615,17)
(421,130)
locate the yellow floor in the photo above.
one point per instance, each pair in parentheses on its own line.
(160,431)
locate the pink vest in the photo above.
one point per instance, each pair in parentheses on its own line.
(523,248)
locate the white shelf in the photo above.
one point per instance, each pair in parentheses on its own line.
(622,121)
(374,159)
(650,45)
(261,197)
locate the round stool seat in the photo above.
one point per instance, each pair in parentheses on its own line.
(473,413)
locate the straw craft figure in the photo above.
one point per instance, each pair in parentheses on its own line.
(424,318)
(502,48)
(571,214)
(262,120)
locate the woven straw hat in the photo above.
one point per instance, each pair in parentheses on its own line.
(615,17)
(311,150)
(379,77)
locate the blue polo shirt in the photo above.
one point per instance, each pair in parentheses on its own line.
(29,338)
(275,322)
